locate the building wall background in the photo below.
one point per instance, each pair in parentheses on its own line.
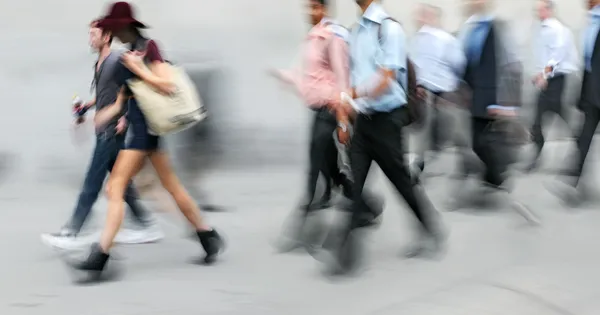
(45,60)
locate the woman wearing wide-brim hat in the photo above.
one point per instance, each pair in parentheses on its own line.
(145,62)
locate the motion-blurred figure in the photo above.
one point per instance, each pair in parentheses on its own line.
(439,61)
(556,58)
(325,74)
(144,61)
(589,104)
(494,75)
(109,141)
(379,98)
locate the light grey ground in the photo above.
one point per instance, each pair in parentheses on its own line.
(494,265)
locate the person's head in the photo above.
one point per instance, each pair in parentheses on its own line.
(592,3)
(317,10)
(428,14)
(475,6)
(99,38)
(363,3)
(120,21)
(545,9)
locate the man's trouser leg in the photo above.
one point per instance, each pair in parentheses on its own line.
(549,100)
(103,158)
(379,138)
(321,137)
(340,179)
(584,141)
(485,149)
(94,179)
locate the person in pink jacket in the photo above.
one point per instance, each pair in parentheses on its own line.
(319,81)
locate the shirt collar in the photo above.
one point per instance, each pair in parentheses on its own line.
(428,29)
(595,12)
(375,13)
(548,21)
(476,18)
(321,29)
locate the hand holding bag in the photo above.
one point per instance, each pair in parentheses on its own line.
(170,113)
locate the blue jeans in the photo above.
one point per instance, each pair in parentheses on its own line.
(104,157)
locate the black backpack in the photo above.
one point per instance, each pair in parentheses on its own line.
(414,104)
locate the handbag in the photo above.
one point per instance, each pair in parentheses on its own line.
(170,113)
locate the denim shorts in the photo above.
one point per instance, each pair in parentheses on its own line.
(140,138)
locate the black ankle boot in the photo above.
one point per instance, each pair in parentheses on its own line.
(212,243)
(96,261)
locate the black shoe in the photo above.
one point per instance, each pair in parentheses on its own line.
(212,243)
(94,267)
(95,262)
(344,258)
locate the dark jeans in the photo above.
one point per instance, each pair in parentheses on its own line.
(379,138)
(549,100)
(104,157)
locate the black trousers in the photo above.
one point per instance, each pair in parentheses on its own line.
(323,156)
(379,138)
(549,100)
(586,135)
(437,124)
(492,148)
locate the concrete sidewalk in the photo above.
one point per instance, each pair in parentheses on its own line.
(494,265)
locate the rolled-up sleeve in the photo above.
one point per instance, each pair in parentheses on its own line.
(393,46)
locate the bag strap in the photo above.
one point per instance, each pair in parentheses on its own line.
(380,37)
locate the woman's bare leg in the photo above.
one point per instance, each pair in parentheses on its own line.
(128,164)
(187,206)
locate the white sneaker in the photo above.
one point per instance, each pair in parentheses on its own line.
(65,240)
(150,234)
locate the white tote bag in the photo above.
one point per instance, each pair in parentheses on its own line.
(169,113)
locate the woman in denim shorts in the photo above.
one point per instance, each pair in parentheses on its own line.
(152,69)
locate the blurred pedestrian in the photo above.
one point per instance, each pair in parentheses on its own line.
(439,61)
(110,139)
(379,97)
(145,62)
(494,75)
(325,74)
(589,104)
(556,58)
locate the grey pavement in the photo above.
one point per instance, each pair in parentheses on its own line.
(494,265)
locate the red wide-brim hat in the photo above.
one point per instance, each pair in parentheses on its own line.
(119,16)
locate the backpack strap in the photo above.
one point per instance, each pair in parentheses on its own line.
(379,32)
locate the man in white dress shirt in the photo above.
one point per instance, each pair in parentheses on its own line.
(439,62)
(556,57)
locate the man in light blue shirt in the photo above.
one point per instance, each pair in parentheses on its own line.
(439,62)
(378,101)
(556,57)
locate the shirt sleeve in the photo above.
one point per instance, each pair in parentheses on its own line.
(340,64)
(456,56)
(393,46)
(557,47)
(153,53)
